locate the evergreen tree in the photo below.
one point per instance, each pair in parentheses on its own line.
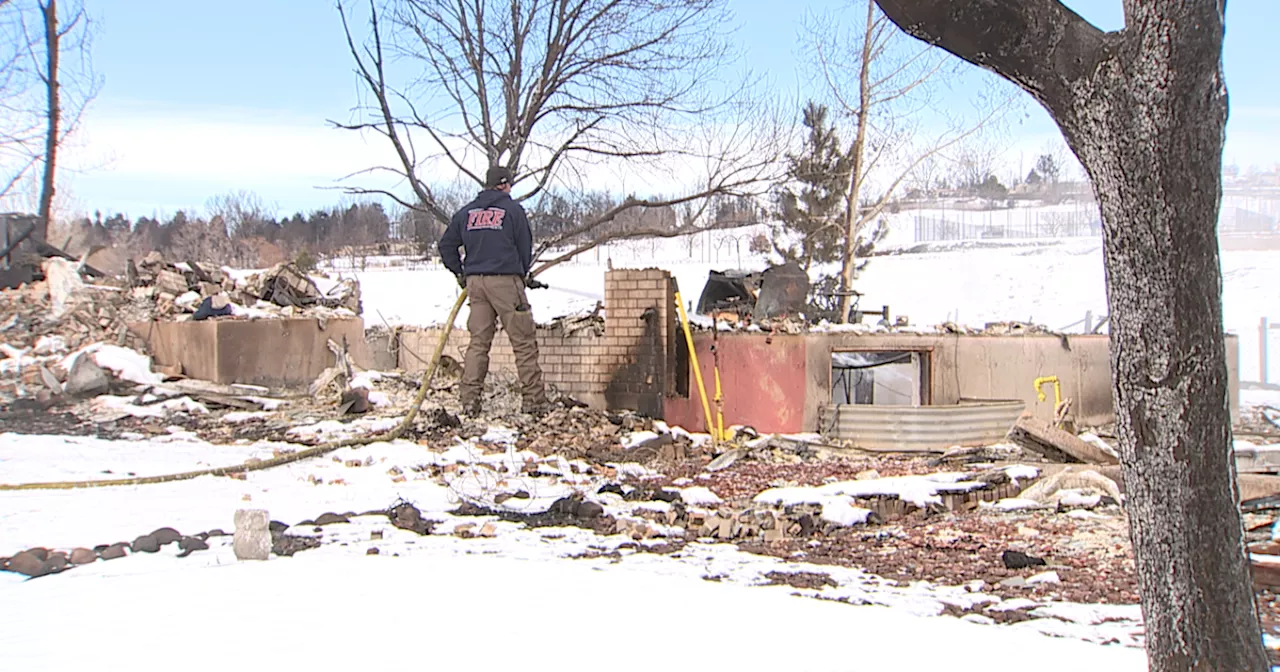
(810,207)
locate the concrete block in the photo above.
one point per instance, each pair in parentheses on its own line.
(253,535)
(86,378)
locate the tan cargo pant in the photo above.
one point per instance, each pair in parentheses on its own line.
(500,298)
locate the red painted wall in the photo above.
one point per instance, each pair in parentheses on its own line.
(763,384)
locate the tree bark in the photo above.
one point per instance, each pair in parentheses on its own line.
(54,114)
(1145,111)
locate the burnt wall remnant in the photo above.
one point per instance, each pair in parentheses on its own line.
(640,340)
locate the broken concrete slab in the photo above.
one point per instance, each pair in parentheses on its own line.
(86,378)
(1266,571)
(1255,486)
(253,535)
(1252,459)
(1055,444)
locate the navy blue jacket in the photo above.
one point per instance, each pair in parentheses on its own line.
(495,233)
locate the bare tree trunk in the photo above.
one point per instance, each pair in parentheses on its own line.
(851,220)
(1145,111)
(54,113)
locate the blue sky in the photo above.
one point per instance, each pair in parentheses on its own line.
(204,98)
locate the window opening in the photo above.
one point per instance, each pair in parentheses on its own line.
(878,378)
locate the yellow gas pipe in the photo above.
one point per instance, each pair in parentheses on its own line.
(1057,389)
(719,406)
(697,372)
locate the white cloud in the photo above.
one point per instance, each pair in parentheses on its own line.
(141,158)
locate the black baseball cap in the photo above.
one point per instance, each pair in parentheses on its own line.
(496,177)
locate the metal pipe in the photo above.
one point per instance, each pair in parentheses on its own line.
(697,372)
(1057,389)
(715,367)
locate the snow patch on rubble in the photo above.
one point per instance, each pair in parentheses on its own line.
(1011,504)
(1022,472)
(845,513)
(500,435)
(188,301)
(836,508)
(656,507)
(267,403)
(1090,614)
(1013,604)
(696,439)
(1044,577)
(52,344)
(636,438)
(632,470)
(919,490)
(1102,445)
(107,404)
(127,364)
(1078,498)
(331,430)
(700,496)
(794,496)
(366,379)
(252,312)
(241,417)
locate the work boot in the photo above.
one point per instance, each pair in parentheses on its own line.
(537,409)
(471,408)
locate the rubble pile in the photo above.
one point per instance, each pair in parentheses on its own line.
(92,314)
(43,321)
(205,290)
(799,324)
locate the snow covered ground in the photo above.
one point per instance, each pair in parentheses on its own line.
(517,597)
(1051,282)
(561,597)
(334,611)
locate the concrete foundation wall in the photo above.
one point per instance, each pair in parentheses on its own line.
(1002,367)
(764,384)
(778,383)
(285,353)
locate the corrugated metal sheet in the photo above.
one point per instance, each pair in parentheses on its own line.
(920,428)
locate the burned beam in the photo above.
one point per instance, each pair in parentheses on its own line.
(13,244)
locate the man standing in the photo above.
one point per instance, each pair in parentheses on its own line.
(494,230)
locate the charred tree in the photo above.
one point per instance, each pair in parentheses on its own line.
(1144,109)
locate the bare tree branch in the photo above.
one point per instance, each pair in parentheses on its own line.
(883,86)
(549,88)
(42,94)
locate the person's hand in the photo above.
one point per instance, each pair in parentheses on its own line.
(462,280)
